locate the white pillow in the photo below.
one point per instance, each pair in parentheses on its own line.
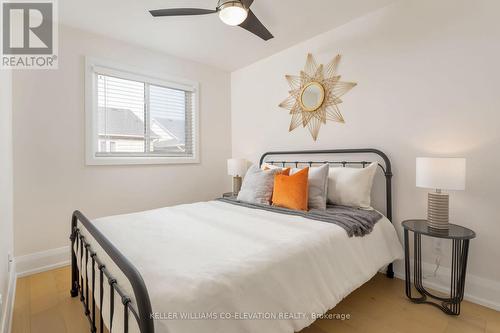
(317,183)
(267,166)
(351,186)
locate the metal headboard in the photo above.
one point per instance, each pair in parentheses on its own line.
(386,169)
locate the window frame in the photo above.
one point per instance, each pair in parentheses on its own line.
(105,67)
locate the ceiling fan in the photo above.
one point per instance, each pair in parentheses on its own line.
(231,12)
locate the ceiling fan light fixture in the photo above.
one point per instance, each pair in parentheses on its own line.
(233,13)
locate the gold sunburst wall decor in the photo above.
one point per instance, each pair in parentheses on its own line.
(315,95)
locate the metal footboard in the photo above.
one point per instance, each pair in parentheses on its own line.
(140,309)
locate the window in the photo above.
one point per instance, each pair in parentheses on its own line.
(133,118)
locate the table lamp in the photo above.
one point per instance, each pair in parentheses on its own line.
(236,167)
(440,174)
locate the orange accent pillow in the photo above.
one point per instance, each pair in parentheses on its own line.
(284,172)
(291,191)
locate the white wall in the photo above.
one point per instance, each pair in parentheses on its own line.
(6,190)
(427,74)
(50,176)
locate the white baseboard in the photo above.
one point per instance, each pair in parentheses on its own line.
(42,261)
(6,322)
(477,289)
(27,265)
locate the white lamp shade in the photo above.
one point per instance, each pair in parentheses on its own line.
(441,173)
(236,167)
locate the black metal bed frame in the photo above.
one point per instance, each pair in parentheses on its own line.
(141,309)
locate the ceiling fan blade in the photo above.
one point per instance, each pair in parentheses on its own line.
(247,3)
(181,12)
(253,25)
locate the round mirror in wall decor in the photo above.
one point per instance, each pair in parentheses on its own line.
(315,95)
(312,96)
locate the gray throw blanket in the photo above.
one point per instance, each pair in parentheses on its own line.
(356,222)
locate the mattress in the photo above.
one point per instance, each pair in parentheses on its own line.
(217,267)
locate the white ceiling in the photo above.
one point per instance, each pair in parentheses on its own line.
(206,39)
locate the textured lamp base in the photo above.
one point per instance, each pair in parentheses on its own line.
(236,185)
(438,210)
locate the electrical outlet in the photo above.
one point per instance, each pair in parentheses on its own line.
(9,261)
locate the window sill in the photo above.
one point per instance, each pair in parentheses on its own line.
(146,160)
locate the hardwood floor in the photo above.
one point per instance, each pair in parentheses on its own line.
(43,305)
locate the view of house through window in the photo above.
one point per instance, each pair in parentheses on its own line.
(139,118)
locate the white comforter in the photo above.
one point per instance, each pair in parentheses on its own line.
(218,259)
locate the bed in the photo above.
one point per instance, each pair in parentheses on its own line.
(221,267)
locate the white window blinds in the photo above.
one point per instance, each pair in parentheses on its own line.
(121,114)
(143,118)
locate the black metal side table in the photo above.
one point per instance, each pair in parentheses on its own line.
(460,237)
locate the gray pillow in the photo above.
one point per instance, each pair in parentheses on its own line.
(257,185)
(317,183)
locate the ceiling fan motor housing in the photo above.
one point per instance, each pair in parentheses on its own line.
(230,3)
